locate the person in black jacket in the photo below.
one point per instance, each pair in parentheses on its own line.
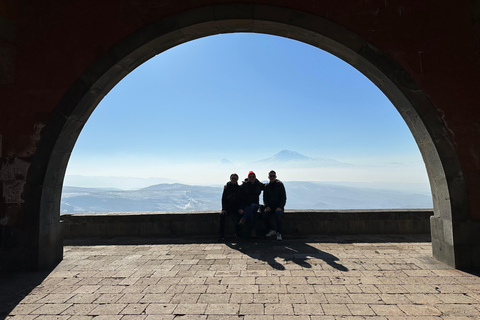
(274,199)
(251,189)
(231,204)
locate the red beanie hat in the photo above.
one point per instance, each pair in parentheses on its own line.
(251,172)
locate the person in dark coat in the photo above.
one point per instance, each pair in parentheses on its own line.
(251,189)
(274,199)
(231,204)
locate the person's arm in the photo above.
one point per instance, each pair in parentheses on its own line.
(243,195)
(283,195)
(224,198)
(266,199)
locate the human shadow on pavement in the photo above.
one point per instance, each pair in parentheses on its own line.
(274,253)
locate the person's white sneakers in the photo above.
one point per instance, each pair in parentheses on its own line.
(279,236)
(271,233)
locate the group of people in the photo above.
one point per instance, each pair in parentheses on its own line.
(243,201)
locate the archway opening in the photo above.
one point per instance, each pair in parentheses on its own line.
(46,177)
(241,102)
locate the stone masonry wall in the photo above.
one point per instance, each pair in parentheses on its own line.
(296,223)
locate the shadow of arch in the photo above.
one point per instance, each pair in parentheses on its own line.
(45,178)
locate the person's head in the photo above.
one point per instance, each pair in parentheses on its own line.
(234,178)
(272,175)
(251,176)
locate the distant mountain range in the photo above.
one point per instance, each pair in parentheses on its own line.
(181,197)
(122,183)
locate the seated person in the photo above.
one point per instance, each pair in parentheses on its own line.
(251,189)
(274,199)
(231,204)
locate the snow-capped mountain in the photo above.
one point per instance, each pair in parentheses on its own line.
(288,157)
(225,161)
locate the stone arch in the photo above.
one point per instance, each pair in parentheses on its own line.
(45,178)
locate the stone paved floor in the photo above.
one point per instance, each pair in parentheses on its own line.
(322,278)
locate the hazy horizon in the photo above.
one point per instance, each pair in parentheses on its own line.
(182,197)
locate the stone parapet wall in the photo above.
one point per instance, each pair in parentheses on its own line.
(296,223)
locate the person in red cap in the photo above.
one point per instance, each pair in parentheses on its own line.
(251,189)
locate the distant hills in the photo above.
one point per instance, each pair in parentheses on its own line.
(182,197)
(123,183)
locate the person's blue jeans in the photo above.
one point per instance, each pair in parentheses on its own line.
(250,211)
(278,219)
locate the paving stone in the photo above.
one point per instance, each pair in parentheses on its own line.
(281,288)
(217,288)
(394,298)
(289,317)
(330,288)
(213,298)
(315,298)
(239,288)
(107,309)
(338,298)
(252,308)
(418,310)
(52,308)
(134,308)
(223,309)
(255,317)
(49,317)
(268,280)
(300,288)
(79,309)
(386,310)
(307,309)
(276,308)
(238,280)
(266,298)
(108,298)
(456,298)
(134,317)
(366,298)
(190,308)
(292,298)
(336,309)
(293,280)
(159,308)
(458,310)
(185,298)
(241,298)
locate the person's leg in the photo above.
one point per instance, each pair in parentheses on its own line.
(279,218)
(250,210)
(221,231)
(249,217)
(236,219)
(266,219)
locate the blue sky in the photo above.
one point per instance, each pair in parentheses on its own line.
(245,97)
